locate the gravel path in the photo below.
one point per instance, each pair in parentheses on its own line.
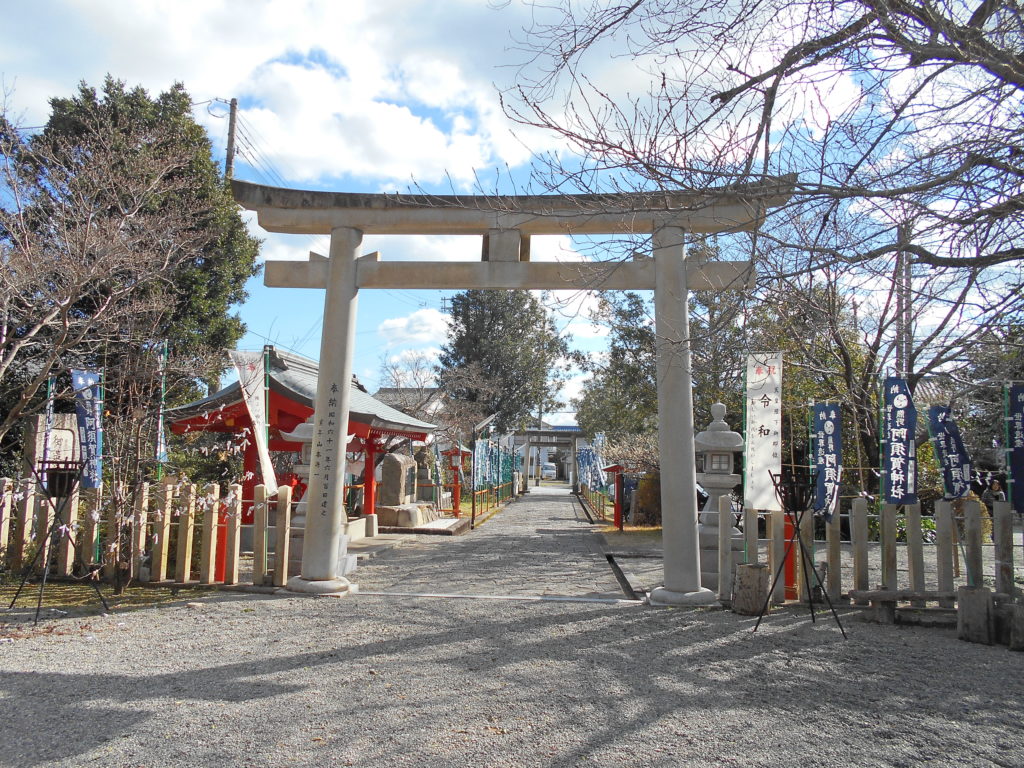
(253,680)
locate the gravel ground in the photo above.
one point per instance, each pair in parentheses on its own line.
(382,680)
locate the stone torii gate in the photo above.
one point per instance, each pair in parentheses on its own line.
(506,224)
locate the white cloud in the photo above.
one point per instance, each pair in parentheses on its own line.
(384,91)
(424,326)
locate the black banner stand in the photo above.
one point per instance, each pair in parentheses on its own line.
(62,479)
(794,493)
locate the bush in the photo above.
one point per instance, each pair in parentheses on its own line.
(648,501)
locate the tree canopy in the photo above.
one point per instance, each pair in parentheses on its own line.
(508,344)
(116,234)
(901,124)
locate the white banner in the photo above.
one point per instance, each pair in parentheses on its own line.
(764,430)
(251,377)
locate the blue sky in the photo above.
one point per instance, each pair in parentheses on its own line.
(355,96)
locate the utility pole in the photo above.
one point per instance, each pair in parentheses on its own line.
(229,161)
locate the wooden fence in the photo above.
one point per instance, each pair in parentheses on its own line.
(156,533)
(596,502)
(887,558)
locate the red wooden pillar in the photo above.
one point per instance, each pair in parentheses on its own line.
(617,470)
(251,472)
(221,556)
(791,591)
(250,479)
(369,476)
(455,462)
(619,482)
(456,492)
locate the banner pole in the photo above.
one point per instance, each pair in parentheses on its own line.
(99,423)
(161,454)
(1007,445)
(47,428)
(266,395)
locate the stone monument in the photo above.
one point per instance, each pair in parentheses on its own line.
(398,475)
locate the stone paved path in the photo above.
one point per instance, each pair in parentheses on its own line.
(539,545)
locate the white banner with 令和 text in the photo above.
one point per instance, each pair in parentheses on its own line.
(764,430)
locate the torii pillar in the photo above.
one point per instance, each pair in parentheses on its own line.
(506,224)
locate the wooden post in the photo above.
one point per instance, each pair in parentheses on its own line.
(1016,627)
(232,531)
(208,537)
(750,552)
(888,526)
(972,540)
(859,539)
(66,543)
(834,579)
(944,550)
(1002,533)
(6,509)
(975,614)
(23,529)
(93,499)
(915,550)
(43,536)
(617,514)
(111,551)
(186,528)
(284,529)
(162,534)
(805,564)
(259,534)
(751,588)
(140,523)
(724,549)
(776,553)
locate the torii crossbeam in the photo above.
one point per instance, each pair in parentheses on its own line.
(506,224)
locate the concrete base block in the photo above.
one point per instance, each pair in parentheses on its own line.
(975,621)
(371,525)
(339,586)
(356,529)
(702,596)
(406,515)
(347,564)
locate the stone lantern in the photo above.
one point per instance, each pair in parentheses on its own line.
(719,446)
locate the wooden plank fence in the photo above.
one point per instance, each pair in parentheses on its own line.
(169,533)
(888,559)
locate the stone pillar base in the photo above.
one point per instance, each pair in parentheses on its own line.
(339,587)
(664,596)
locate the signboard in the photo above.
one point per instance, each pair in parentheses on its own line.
(251,378)
(828,457)
(1015,445)
(763,453)
(89,415)
(899,453)
(950,452)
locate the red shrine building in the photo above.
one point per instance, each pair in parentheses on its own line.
(291,393)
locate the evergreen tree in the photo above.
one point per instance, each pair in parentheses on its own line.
(116,234)
(212,279)
(503,352)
